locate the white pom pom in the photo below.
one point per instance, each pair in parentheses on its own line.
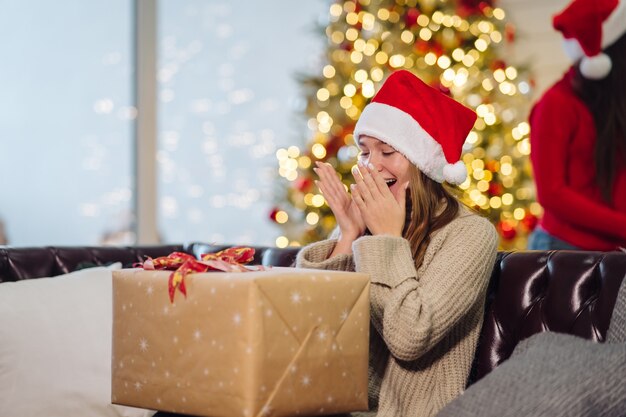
(455,173)
(596,67)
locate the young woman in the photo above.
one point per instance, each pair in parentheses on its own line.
(429,258)
(578,134)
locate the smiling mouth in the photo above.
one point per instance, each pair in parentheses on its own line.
(391,182)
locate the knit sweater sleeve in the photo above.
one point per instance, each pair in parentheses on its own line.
(554,122)
(317,256)
(414,309)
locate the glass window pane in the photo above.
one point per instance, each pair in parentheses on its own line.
(66,120)
(228,99)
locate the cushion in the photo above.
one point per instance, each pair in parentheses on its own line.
(550,374)
(55,347)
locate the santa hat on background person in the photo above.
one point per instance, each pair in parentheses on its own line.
(589,26)
(420,122)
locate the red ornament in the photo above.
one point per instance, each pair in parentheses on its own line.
(273,214)
(507,230)
(492,165)
(509,32)
(464,12)
(332,146)
(469,4)
(422,47)
(483,5)
(437,48)
(410,19)
(497,64)
(347,46)
(467,8)
(529,222)
(303,184)
(495,189)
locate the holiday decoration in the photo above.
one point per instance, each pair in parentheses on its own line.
(284,341)
(459,47)
(228,260)
(401,115)
(506,230)
(588,27)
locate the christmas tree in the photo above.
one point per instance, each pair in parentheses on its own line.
(455,46)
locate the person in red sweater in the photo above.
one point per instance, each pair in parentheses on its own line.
(578,134)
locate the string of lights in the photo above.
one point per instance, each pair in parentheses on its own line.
(456,46)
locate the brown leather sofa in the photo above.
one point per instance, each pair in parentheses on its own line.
(529,292)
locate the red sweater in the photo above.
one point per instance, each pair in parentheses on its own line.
(562,143)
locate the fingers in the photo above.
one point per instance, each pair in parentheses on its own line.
(329,177)
(375,181)
(330,194)
(372,184)
(358,198)
(332,188)
(381,216)
(378,181)
(321,187)
(363,188)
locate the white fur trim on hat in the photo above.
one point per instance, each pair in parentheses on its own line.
(455,173)
(401,131)
(596,67)
(615,25)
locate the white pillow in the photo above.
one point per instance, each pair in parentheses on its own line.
(55,347)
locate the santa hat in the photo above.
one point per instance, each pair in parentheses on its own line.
(422,123)
(589,26)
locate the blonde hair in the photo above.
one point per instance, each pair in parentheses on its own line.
(432,207)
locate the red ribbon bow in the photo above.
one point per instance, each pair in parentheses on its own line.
(182,264)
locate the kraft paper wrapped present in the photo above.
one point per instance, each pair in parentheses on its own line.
(278,342)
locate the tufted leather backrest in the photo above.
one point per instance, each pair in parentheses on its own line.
(561,291)
(263,255)
(25,263)
(529,291)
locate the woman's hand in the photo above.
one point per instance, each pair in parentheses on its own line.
(346,212)
(383,215)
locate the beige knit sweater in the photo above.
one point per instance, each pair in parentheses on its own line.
(425,322)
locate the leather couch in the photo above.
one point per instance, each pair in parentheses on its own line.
(530,291)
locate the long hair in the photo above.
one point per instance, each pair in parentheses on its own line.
(606,100)
(430,207)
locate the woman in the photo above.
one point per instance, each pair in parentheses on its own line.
(578,134)
(429,259)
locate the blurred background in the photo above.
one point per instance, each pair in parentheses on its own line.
(244,96)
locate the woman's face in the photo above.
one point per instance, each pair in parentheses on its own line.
(390,164)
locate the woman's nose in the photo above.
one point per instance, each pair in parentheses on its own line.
(374,160)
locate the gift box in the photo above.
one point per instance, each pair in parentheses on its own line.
(277,342)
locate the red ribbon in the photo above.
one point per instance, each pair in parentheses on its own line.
(183,264)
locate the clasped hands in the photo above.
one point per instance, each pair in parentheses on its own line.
(370,203)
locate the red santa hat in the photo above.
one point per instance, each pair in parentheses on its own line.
(589,26)
(422,123)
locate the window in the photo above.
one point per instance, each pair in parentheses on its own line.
(227,99)
(66,120)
